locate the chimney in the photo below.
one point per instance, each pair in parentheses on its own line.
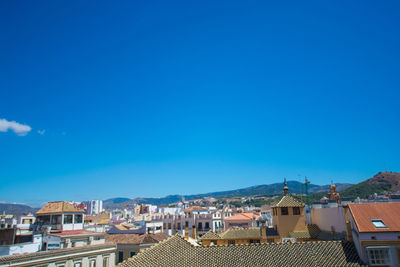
(263,230)
(349,236)
(194,233)
(186,230)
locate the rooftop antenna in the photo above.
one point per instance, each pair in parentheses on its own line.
(307,182)
(301,195)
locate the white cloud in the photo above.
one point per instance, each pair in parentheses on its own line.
(41,132)
(18,128)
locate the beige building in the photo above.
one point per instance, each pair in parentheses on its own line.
(290,219)
(241,236)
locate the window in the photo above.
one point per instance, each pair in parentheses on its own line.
(92,262)
(284,211)
(378,256)
(231,242)
(120,256)
(378,223)
(207,226)
(296,211)
(56,219)
(67,219)
(200,226)
(179,226)
(77,264)
(169,225)
(105,261)
(254,241)
(133,253)
(78,218)
(373,237)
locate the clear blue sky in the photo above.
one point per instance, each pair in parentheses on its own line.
(145,98)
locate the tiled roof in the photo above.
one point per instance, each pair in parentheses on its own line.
(242,217)
(38,255)
(210,235)
(389,213)
(103,218)
(312,232)
(136,239)
(58,207)
(288,201)
(237,233)
(77,233)
(175,251)
(195,208)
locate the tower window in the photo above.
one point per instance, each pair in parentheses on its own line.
(296,211)
(284,211)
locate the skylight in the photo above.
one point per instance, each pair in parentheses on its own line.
(378,223)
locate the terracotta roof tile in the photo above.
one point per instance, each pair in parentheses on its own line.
(58,207)
(242,217)
(136,238)
(77,233)
(210,235)
(175,251)
(312,232)
(389,213)
(288,201)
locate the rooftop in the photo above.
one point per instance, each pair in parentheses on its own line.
(195,208)
(57,252)
(175,251)
(242,217)
(254,232)
(312,231)
(57,207)
(288,201)
(136,238)
(71,233)
(388,213)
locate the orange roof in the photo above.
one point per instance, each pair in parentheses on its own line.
(58,207)
(243,217)
(389,213)
(195,208)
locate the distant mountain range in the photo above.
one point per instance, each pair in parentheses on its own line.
(380,183)
(16,209)
(271,189)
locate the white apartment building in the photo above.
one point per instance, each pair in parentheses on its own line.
(94,207)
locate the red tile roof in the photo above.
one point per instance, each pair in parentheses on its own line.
(243,217)
(389,213)
(76,232)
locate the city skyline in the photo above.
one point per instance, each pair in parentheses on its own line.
(153,99)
